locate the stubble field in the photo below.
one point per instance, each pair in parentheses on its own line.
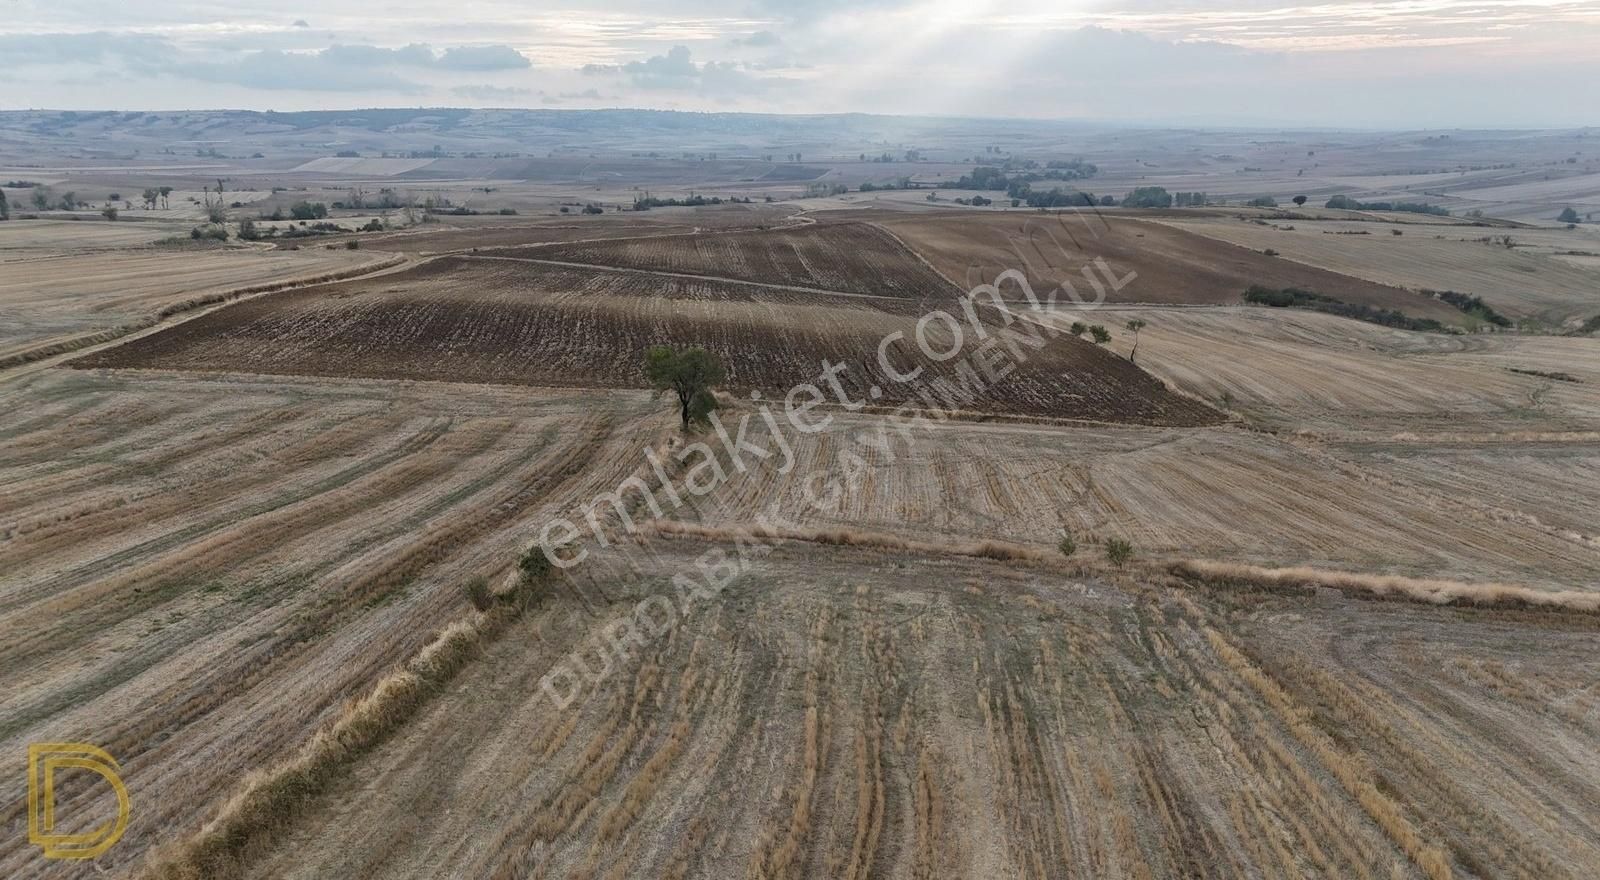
(59,302)
(1527,280)
(239,545)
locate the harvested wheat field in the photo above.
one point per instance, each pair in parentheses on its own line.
(1296,370)
(1126,261)
(854,713)
(517,321)
(1526,280)
(199,571)
(378,557)
(1176,493)
(61,302)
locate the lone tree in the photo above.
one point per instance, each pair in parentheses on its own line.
(1101,335)
(5,208)
(1134,327)
(689,374)
(1299,201)
(1568,216)
(1079,328)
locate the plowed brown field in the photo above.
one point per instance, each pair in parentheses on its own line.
(480,319)
(1169,265)
(850,257)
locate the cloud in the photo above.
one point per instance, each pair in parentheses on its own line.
(414,55)
(492,93)
(137,51)
(350,68)
(483,58)
(676,71)
(757,40)
(325,71)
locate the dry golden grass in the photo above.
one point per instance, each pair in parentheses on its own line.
(1433,592)
(268,800)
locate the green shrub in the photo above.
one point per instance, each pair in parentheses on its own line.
(1118,552)
(1068,545)
(478,593)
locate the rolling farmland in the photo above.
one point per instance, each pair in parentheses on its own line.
(241,548)
(506,320)
(1524,281)
(849,257)
(1159,263)
(968,719)
(60,302)
(200,571)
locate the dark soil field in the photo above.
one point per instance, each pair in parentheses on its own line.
(1170,265)
(508,321)
(851,257)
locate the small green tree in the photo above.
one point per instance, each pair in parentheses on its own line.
(1299,201)
(165,191)
(1079,328)
(1568,216)
(1101,335)
(688,374)
(109,213)
(1134,327)
(5,208)
(41,198)
(1118,551)
(1068,544)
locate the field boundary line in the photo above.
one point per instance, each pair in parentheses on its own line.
(1427,591)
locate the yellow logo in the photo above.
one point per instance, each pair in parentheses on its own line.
(44,759)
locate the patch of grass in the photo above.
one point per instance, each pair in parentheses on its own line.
(1294,297)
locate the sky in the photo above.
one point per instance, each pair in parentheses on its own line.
(1337,63)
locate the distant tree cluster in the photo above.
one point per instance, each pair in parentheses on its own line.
(647,201)
(1189,199)
(308,211)
(1148,197)
(1017,178)
(1058,198)
(1345,203)
(898,183)
(1472,305)
(1262,202)
(818,190)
